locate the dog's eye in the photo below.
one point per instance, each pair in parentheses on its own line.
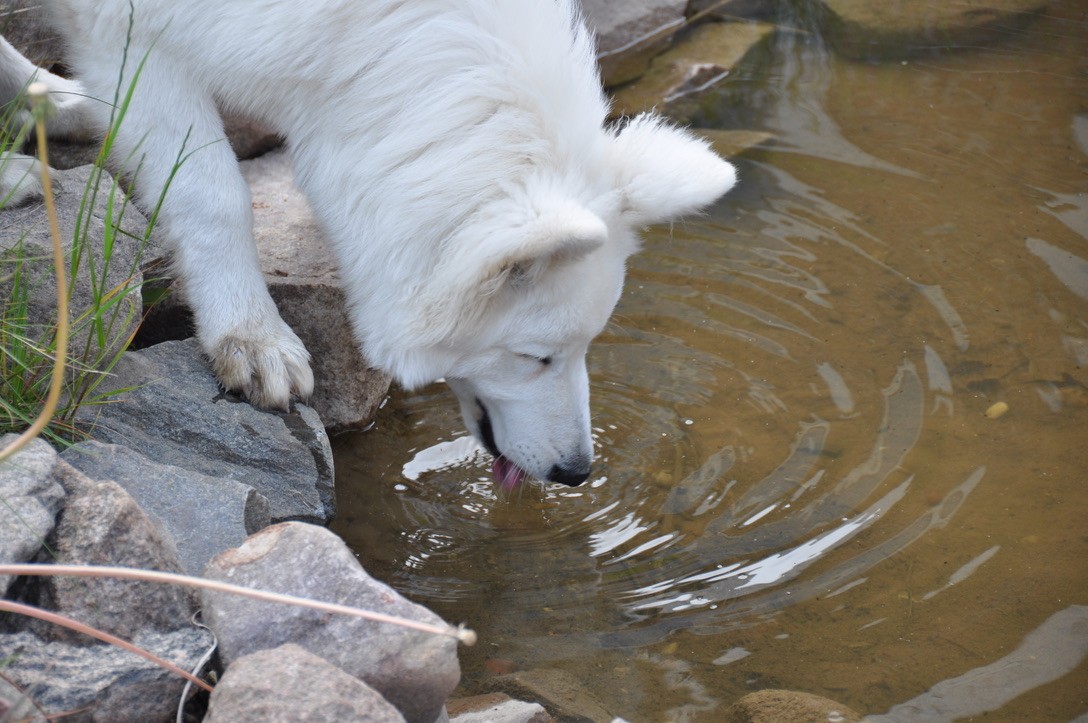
(543,361)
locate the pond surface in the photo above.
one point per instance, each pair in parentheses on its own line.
(841,420)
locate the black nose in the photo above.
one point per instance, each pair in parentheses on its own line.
(569,477)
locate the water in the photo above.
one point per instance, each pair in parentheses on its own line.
(803,480)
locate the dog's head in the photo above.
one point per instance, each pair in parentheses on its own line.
(527,282)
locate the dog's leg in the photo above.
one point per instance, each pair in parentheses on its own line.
(206,214)
(72,118)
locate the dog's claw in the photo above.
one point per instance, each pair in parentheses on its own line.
(267,373)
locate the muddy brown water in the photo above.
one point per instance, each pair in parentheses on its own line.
(798,483)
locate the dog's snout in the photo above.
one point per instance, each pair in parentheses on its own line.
(569,477)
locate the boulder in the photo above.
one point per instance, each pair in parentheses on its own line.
(172,410)
(31,498)
(200,515)
(630,33)
(677,78)
(414,671)
(104,682)
(771,706)
(102,525)
(893,29)
(290,684)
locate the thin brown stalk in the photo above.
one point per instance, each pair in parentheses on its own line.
(461,633)
(39,96)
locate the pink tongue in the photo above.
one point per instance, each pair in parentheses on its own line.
(507,474)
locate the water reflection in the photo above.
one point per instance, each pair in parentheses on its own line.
(797,484)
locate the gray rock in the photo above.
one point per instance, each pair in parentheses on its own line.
(27,225)
(771,706)
(24,26)
(304,281)
(414,671)
(16,705)
(102,525)
(200,515)
(630,33)
(677,78)
(893,29)
(175,413)
(561,694)
(290,684)
(107,683)
(31,498)
(496,708)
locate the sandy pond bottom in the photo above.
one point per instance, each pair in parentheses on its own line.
(803,479)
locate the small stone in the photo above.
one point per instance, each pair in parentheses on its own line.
(773,706)
(996,410)
(415,671)
(290,684)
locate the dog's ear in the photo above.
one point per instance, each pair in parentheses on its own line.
(561,233)
(665,172)
(511,248)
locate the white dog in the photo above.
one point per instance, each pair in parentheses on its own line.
(457,154)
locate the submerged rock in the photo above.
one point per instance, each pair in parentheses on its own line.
(561,694)
(892,29)
(290,684)
(629,33)
(772,706)
(676,80)
(415,671)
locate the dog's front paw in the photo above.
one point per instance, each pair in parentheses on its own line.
(266,368)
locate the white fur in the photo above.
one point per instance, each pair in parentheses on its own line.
(456,153)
